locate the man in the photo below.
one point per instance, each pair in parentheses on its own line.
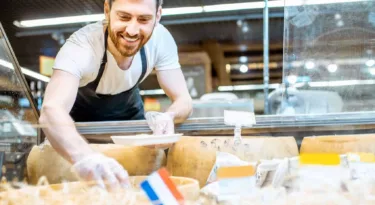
(96,74)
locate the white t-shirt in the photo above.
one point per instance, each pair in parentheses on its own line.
(82,54)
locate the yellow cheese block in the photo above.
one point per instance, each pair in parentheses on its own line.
(340,144)
(45,161)
(194,157)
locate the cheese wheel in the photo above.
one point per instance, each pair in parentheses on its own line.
(194,157)
(45,161)
(338,144)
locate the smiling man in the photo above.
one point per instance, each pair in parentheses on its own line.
(96,77)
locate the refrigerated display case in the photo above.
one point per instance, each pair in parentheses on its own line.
(17,133)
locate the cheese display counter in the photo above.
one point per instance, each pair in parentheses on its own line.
(299,155)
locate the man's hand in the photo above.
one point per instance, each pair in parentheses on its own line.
(103,171)
(160,123)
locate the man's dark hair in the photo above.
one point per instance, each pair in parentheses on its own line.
(158,3)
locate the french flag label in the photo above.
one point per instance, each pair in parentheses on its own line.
(161,190)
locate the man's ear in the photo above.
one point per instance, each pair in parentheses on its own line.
(158,14)
(107,10)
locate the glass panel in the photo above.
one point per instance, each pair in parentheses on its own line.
(17,135)
(329,59)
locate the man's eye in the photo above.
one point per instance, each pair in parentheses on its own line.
(124,18)
(143,20)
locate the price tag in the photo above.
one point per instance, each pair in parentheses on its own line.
(236,180)
(361,157)
(362,170)
(362,165)
(238,118)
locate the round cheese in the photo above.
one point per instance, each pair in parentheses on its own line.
(194,157)
(45,161)
(338,144)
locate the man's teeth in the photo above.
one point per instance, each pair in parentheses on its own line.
(130,39)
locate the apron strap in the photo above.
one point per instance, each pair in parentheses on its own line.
(95,83)
(144,65)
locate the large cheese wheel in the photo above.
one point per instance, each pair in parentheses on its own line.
(194,157)
(338,144)
(45,161)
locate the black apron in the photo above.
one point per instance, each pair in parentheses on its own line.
(91,106)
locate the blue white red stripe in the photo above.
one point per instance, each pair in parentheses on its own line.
(160,189)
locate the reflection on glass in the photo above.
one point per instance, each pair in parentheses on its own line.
(17,135)
(329,59)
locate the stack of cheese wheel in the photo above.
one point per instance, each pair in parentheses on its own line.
(340,144)
(45,161)
(194,157)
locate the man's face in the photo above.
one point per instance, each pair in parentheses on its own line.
(131,23)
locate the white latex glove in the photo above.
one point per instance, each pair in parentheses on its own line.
(102,170)
(160,123)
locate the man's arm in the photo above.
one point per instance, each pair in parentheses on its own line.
(59,127)
(174,85)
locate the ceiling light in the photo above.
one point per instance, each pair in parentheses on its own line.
(228,67)
(60,20)
(182,10)
(340,23)
(332,68)
(239,23)
(370,63)
(245,28)
(337,16)
(246,87)
(152,92)
(309,65)
(244,69)
(341,83)
(25,71)
(243,59)
(292,79)
(372,71)
(234,7)
(296,64)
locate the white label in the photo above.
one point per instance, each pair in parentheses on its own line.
(361,170)
(238,118)
(237,186)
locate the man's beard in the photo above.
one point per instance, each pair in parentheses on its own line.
(127,51)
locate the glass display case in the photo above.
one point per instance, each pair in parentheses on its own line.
(18,114)
(329,57)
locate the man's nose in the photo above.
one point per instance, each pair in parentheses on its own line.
(132,28)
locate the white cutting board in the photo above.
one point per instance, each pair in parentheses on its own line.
(145,140)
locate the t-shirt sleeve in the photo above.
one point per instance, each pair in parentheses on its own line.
(75,57)
(167,52)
